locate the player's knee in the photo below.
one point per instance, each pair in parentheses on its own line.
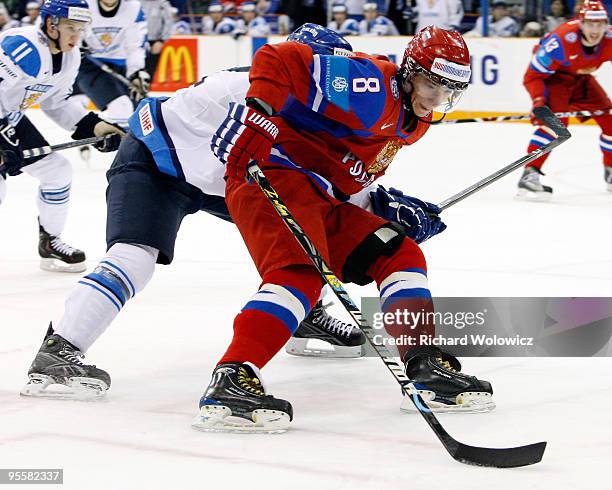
(384,242)
(132,264)
(408,257)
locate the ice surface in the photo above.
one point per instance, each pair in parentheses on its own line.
(348,431)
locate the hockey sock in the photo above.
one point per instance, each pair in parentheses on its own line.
(605,143)
(404,293)
(99,296)
(55,175)
(542,136)
(271,316)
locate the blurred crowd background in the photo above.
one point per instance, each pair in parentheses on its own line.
(499,18)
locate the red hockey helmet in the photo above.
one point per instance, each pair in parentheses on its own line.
(593,10)
(443,58)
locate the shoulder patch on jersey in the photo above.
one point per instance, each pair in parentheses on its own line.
(23,53)
(571,37)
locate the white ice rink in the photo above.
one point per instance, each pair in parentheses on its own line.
(348,432)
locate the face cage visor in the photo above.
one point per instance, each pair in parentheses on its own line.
(442,92)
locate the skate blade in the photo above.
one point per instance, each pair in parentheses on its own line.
(526,195)
(319,348)
(218,418)
(56,265)
(75,388)
(468,402)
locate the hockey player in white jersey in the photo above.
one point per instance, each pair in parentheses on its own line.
(116,38)
(166,168)
(216,23)
(342,24)
(38,65)
(375,24)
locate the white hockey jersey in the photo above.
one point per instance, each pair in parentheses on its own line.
(28,76)
(380,26)
(442,13)
(118,39)
(178,130)
(350,27)
(224,26)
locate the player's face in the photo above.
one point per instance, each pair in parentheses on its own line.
(108,4)
(340,17)
(70,34)
(370,14)
(248,16)
(216,16)
(593,30)
(427,96)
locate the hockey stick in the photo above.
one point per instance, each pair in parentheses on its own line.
(499,458)
(46,150)
(550,120)
(124,80)
(526,117)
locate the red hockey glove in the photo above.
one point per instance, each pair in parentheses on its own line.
(537,102)
(244,135)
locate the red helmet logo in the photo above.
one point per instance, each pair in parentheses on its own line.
(593,10)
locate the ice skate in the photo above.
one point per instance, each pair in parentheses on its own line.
(57,256)
(438,378)
(236,401)
(531,189)
(58,372)
(322,335)
(608,178)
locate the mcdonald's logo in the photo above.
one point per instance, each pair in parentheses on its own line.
(178,65)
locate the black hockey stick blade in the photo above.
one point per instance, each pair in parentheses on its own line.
(550,120)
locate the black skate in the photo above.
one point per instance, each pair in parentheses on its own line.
(235,401)
(58,362)
(608,177)
(530,187)
(339,339)
(56,256)
(438,378)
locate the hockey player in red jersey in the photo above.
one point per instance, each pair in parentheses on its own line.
(322,128)
(560,76)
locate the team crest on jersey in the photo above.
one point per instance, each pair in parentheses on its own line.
(394,88)
(32,94)
(571,37)
(385,157)
(340,84)
(106,35)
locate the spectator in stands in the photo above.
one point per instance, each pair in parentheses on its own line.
(160,21)
(355,7)
(556,17)
(265,7)
(442,13)
(180,26)
(32,13)
(341,23)
(532,29)
(375,24)
(250,23)
(216,23)
(6,22)
(500,23)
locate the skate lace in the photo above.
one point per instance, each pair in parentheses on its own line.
(446,365)
(252,385)
(74,356)
(332,324)
(61,247)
